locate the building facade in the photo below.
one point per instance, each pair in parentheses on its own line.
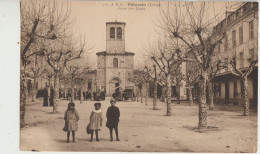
(115,65)
(241,43)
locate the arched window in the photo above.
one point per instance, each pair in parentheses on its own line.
(112,32)
(119,33)
(115,62)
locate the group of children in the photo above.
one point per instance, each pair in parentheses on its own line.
(71,118)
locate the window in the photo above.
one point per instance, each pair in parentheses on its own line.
(241,60)
(241,35)
(115,62)
(226,42)
(119,33)
(234,38)
(251,29)
(112,32)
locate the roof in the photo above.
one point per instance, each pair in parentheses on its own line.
(115,22)
(235,16)
(125,53)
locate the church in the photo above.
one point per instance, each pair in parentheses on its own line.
(115,65)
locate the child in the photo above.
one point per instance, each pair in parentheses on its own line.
(71,118)
(113,115)
(95,121)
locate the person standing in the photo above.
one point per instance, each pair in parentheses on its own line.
(113,115)
(71,118)
(95,121)
(45,97)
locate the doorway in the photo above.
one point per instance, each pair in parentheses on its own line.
(114,86)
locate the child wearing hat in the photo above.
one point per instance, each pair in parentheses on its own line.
(113,115)
(95,121)
(71,118)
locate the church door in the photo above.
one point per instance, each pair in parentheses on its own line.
(113,84)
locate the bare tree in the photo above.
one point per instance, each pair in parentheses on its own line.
(38,70)
(243,76)
(164,56)
(144,78)
(58,56)
(138,82)
(191,25)
(40,20)
(77,75)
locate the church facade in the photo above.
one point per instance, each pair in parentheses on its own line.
(115,65)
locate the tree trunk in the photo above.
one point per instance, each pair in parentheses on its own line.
(22,98)
(56,92)
(91,91)
(49,91)
(34,90)
(155,89)
(211,98)
(137,94)
(202,101)
(245,98)
(164,89)
(178,92)
(72,93)
(190,96)
(141,94)
(146,94)
(155,94)
(81,96)
(168,92)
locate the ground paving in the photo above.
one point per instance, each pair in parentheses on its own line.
(141,129)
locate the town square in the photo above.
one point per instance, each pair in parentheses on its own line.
(139,76)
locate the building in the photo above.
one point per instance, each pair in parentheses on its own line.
(241,43)
(115,65)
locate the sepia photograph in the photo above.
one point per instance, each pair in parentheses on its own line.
(138,76)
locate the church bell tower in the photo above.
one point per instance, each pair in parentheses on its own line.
(115,37)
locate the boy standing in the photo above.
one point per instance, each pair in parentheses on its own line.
(113,115)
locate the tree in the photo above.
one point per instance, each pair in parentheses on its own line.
(37,70)
(138,82)
(243,76)
(77,75)
(145,80)
(40,20)
(191,74)
(164,56)
(212,73)
(192,26)
(58,56)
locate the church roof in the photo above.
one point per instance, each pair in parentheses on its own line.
(125,53)
(115,22)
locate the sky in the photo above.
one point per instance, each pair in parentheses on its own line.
(91,17)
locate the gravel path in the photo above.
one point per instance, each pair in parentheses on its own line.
(141,129)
